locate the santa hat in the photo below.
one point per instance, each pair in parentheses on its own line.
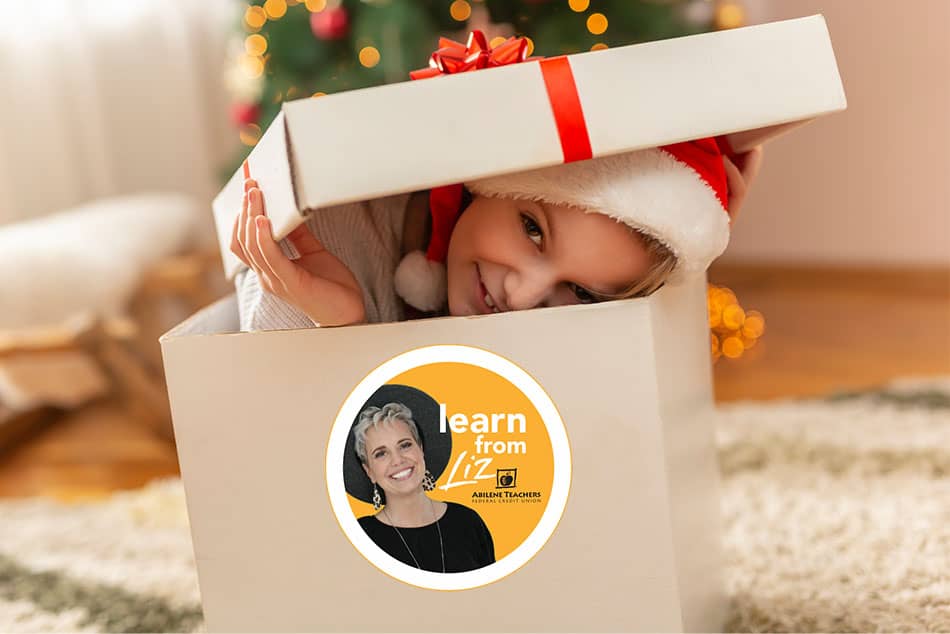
(676,194)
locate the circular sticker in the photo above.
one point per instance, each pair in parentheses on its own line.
(448,467)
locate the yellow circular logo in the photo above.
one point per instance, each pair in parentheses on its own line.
(448,459)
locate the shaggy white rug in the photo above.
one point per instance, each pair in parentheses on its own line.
(836,516)
(837,513)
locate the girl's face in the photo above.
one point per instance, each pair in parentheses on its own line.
(394,460)
(507,254)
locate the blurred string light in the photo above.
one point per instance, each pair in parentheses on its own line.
(254,18)
(316,6)
(255,44)
(729,14)
(578,6)
(460,10)
(733,330)
(496,41)
(250,134)
(319,94)
(597,23)
(599,46)
(369,56)
(275,9)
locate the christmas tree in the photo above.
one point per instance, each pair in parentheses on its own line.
(288,49)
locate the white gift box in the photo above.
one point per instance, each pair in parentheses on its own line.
(628,538)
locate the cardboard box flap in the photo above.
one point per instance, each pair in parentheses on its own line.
(410,136)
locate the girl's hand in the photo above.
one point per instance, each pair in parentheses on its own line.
(317,283)
(741,172)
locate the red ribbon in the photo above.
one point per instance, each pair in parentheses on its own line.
(566,105)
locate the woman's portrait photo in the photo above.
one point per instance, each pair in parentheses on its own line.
(395,454)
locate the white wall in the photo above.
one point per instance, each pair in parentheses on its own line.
(108,97)
(870,186)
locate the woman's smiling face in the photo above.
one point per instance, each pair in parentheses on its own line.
(507,254)
(394,460)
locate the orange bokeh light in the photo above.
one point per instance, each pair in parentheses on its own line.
(275,9)
(460,10)
(733,316)
(369,56)
(732,347)
(255,17)
(597,23)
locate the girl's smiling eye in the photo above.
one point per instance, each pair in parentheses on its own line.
(531,229)
(583,295)
(406,444)
(379,454)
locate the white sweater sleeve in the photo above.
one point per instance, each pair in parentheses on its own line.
(260,310)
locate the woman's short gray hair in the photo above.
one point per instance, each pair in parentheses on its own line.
(376,416)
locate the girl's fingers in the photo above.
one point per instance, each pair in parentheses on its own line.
(240,227)
(259,206)
(304,241)
(737,188)
(281,267)
(250,237)
(259,240)
(741,175)
(259,235)
(752,161)
(265,245)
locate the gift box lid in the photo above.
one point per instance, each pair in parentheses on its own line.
(749,83)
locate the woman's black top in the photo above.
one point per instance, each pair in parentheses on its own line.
(465,538)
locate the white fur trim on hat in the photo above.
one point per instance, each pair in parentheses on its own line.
(421,282)
(649,190)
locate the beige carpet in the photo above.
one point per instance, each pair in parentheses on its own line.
(837,514)
(836,518)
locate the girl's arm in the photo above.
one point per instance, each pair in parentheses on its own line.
(317,282)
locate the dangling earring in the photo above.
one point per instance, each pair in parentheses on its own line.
(377,498)
(428,482)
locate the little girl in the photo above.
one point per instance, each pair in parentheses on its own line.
(606,228)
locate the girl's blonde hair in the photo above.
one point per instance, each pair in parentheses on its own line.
(662,262)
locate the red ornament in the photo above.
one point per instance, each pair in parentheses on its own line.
(245,113)
(330,24)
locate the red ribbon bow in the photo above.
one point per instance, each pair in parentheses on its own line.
(454,57)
